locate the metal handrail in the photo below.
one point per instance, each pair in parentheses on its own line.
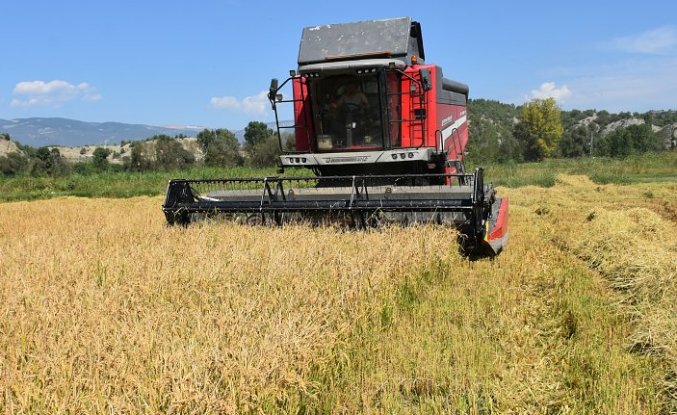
(328,178)
(274,103)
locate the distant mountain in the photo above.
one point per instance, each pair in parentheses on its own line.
(38,132)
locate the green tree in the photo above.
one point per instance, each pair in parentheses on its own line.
(632,139)
(575,142)
(45,161)
(206,137)
(261,144)
(484,143)
(170,154)
(266,153)
(220,148)
(12,164)
(648,118)
(100,158)
(509,149)
(43,154)
(57,166)
(491,131)
(600,146)
(256,132)
(644,139)
(539,128)
(139,159)
(620,143)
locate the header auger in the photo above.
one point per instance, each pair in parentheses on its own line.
(384,134)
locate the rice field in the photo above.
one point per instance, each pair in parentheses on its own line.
(104,309)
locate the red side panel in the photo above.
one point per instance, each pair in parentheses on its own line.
(453,125)
(418,131)
(304,128)
(501,227)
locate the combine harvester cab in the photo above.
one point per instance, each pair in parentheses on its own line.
(383,133)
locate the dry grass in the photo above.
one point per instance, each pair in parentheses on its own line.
(104,309)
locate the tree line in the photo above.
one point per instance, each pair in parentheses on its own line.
(217,147)
(498,133)
(539,129)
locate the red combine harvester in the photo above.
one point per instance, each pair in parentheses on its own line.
(384,134)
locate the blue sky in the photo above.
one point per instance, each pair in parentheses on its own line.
(207,62)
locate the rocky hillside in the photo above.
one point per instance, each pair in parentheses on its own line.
(8,146)
(491,126)
(118,152)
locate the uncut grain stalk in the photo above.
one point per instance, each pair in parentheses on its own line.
(105,312)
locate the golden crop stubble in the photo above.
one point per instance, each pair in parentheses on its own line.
(103,307)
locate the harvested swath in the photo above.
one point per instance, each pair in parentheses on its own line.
(103,308)
(636,250)
(628,234)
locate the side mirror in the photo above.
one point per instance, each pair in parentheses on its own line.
(272,92)
(426,82)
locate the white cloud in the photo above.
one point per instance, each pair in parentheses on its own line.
(550,90)
(224,102)
(57,92)
(257,104)
(655,41)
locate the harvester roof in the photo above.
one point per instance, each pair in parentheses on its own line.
(390,38)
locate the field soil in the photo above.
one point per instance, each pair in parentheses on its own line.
(105,309)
